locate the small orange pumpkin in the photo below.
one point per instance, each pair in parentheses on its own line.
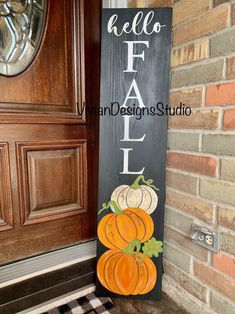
(117,230)
(126,274)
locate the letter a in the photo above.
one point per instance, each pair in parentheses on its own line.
(137,95)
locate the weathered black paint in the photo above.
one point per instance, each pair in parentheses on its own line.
(153,82)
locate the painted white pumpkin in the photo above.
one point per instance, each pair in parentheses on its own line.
(136,196)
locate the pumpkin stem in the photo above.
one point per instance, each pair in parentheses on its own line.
(149,183)
(114,205)
(133,247)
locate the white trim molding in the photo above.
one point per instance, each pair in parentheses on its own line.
(112,4)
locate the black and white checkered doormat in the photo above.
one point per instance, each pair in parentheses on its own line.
(89,304)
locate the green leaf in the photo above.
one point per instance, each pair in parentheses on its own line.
(152,248)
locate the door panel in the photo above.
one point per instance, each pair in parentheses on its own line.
(6,215)
(48,84)
(48,152)
(54,82)
(52,180)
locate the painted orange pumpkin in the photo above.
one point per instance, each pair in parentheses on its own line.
(117,230)
(126,274)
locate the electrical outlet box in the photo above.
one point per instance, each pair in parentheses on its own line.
(204,237)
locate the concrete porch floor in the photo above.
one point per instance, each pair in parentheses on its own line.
(165,306)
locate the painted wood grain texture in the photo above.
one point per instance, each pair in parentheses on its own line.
(152,78)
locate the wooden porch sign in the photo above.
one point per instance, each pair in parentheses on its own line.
(133,130)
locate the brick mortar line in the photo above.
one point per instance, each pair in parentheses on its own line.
(194,175)
(196,154)
(175,27)
(210,256)
(207,36)
(229,181)
(203,37)
(177,3)
(193,41)
(231,54)
(198,187)
(230,232)
(227,231)
(209,297)
(180,66)
(193,62)
(208,52)
(218,169)
(195,219)
(214,217)
(210,35)
(200,142)
(224,297)
(182,270)
(191,264)
(200,198)
(204,132)
(232,208)
(203,109)
(216,203)
(170,189)
(211,5)
(227,254)
(197,86)
(173,246)
(191,276)
(217,176)
(177,211)
(224,71)
(187,298)
(184,131)
(203,101)
(197,63)
(217,271)
(213,179)
(229,19)
(198,221)
(179,171)
(220,119)
(180,212)
(204,176)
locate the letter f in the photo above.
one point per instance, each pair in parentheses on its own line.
(131,54)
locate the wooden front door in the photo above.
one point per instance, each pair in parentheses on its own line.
(48,149)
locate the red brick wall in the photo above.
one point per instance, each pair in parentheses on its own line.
(201,150)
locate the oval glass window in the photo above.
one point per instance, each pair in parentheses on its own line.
(21,28)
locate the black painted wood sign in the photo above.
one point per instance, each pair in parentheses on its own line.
(133,134)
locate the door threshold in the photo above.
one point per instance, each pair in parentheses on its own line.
(37,290)
(38,265)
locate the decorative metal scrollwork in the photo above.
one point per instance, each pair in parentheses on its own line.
(21,27)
